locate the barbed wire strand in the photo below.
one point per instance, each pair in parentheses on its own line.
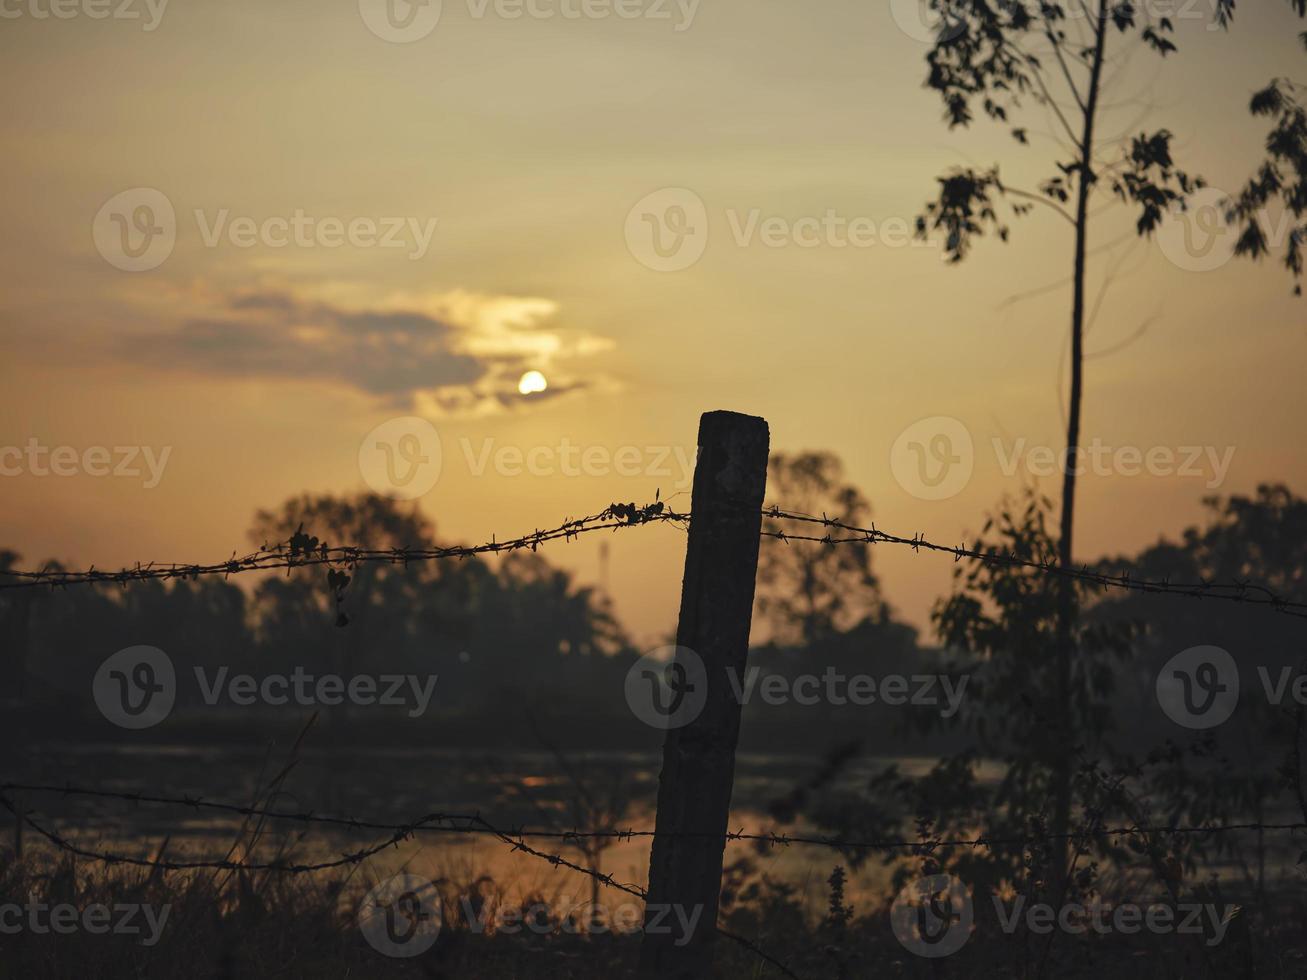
(306,552)
(1248,592)
(227,864)
(474,823)
(303,551)
(402,832)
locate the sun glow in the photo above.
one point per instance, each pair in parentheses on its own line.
(532,382)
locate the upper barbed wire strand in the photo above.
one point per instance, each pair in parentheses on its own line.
(1250,593)
(288,556)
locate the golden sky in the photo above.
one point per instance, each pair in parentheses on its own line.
(365,229)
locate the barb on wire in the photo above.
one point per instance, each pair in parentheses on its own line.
(557,860)
(474,824)
(304,551)
(1250,593)
(517,840)
(226,864)
(468,824)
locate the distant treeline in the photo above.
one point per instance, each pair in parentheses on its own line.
(518,647)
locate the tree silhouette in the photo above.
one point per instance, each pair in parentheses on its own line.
(807,591)
(1005,56)
(1282,176)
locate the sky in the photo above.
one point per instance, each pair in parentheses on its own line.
(244,245)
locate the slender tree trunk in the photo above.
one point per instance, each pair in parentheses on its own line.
(1066,600)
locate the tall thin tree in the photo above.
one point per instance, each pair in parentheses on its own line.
(1011,56)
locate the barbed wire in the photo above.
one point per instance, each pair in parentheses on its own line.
(557,860)
(226,864)
(474,824)
(516,839)
(304,551)
(1251,593)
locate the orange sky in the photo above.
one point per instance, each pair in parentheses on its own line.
(511,162)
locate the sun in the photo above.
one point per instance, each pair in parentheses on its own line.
(532,382)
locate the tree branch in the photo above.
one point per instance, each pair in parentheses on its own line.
(1066,71)
(1038,199)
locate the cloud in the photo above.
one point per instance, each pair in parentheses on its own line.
(448,353)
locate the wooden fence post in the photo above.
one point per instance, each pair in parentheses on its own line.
(15,616)
(694,791)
